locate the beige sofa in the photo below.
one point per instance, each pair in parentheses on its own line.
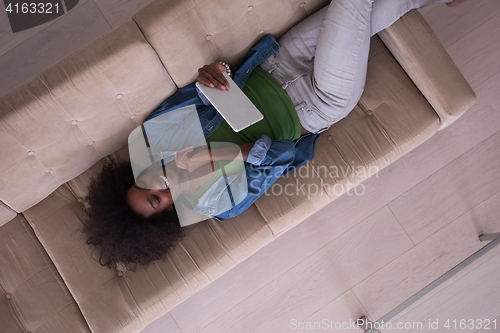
(58,128)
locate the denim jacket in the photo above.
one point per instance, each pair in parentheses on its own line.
(269,159)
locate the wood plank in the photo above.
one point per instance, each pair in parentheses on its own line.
(472,267)
(450,192)
(478,53)
(451,24)
(74,30)
(337,315)
(118,12)
(317,280)
(9,40)
(411,272)
(163,324)
(490,328)
(474,296)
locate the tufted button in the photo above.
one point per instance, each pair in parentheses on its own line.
(209,37)
(80,199)
(261,32)
(369,112)
(31,153)
(132,116)
(302,4)
(250,8)
(8,296)
(330,138)
(48,170)
(91,143)
(74,122)
(120,273)
(119,96)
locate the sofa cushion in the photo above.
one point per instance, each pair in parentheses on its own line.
(126,301)
(33,297)
(216,30)
(61,122)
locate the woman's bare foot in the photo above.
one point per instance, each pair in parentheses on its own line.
(455,3)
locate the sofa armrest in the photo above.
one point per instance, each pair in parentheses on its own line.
(420,53)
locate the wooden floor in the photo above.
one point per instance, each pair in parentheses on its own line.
(361,255)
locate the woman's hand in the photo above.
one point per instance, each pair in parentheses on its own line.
(211,76)
(187,160)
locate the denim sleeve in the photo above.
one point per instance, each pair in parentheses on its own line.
(280,155)
(259,150)
(254,57)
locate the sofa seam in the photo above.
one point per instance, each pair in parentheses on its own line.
(69,294)
(157,55)
(57,268)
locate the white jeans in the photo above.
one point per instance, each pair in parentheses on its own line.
(323,59)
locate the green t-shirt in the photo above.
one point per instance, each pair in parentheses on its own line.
(280,118)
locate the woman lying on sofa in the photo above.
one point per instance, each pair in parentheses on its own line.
(312,79)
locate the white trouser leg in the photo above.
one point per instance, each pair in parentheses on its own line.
(323,59)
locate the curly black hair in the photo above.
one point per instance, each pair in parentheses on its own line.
(123,236)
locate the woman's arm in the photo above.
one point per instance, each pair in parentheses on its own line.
(261,176)
(230,153)
(191,159)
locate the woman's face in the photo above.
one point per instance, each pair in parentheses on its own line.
(149,195)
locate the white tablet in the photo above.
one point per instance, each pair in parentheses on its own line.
(232,104)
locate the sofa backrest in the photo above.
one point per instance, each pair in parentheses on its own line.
(62,121)
(188,34)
